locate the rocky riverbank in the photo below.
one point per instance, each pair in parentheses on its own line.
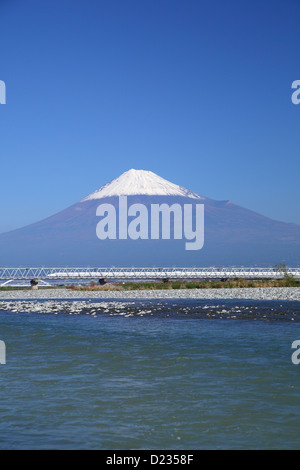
(264,293)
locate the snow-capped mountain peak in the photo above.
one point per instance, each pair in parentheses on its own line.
(141,182)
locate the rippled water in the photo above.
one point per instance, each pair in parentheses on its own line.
(151,375)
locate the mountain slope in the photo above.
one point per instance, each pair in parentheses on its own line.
(233,235)
(146,183)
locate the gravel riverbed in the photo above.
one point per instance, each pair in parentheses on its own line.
(132,303)
(264,293)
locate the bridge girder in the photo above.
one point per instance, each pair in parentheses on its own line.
(150,273)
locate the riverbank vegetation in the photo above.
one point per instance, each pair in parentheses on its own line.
(227,284)
(180,284)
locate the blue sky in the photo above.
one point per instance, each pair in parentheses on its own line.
(197,91)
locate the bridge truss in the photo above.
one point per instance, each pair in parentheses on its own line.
(45,274)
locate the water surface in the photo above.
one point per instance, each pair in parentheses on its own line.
(152,375)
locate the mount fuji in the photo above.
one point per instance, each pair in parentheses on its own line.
(233,235)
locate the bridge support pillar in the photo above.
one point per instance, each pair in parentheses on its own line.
(34,284)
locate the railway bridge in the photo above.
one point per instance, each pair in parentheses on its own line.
(103,274)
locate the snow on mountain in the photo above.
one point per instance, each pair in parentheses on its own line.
(233,235)
(141,182)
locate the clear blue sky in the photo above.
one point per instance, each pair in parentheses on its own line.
(197,91)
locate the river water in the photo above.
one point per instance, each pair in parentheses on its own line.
(185,374)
